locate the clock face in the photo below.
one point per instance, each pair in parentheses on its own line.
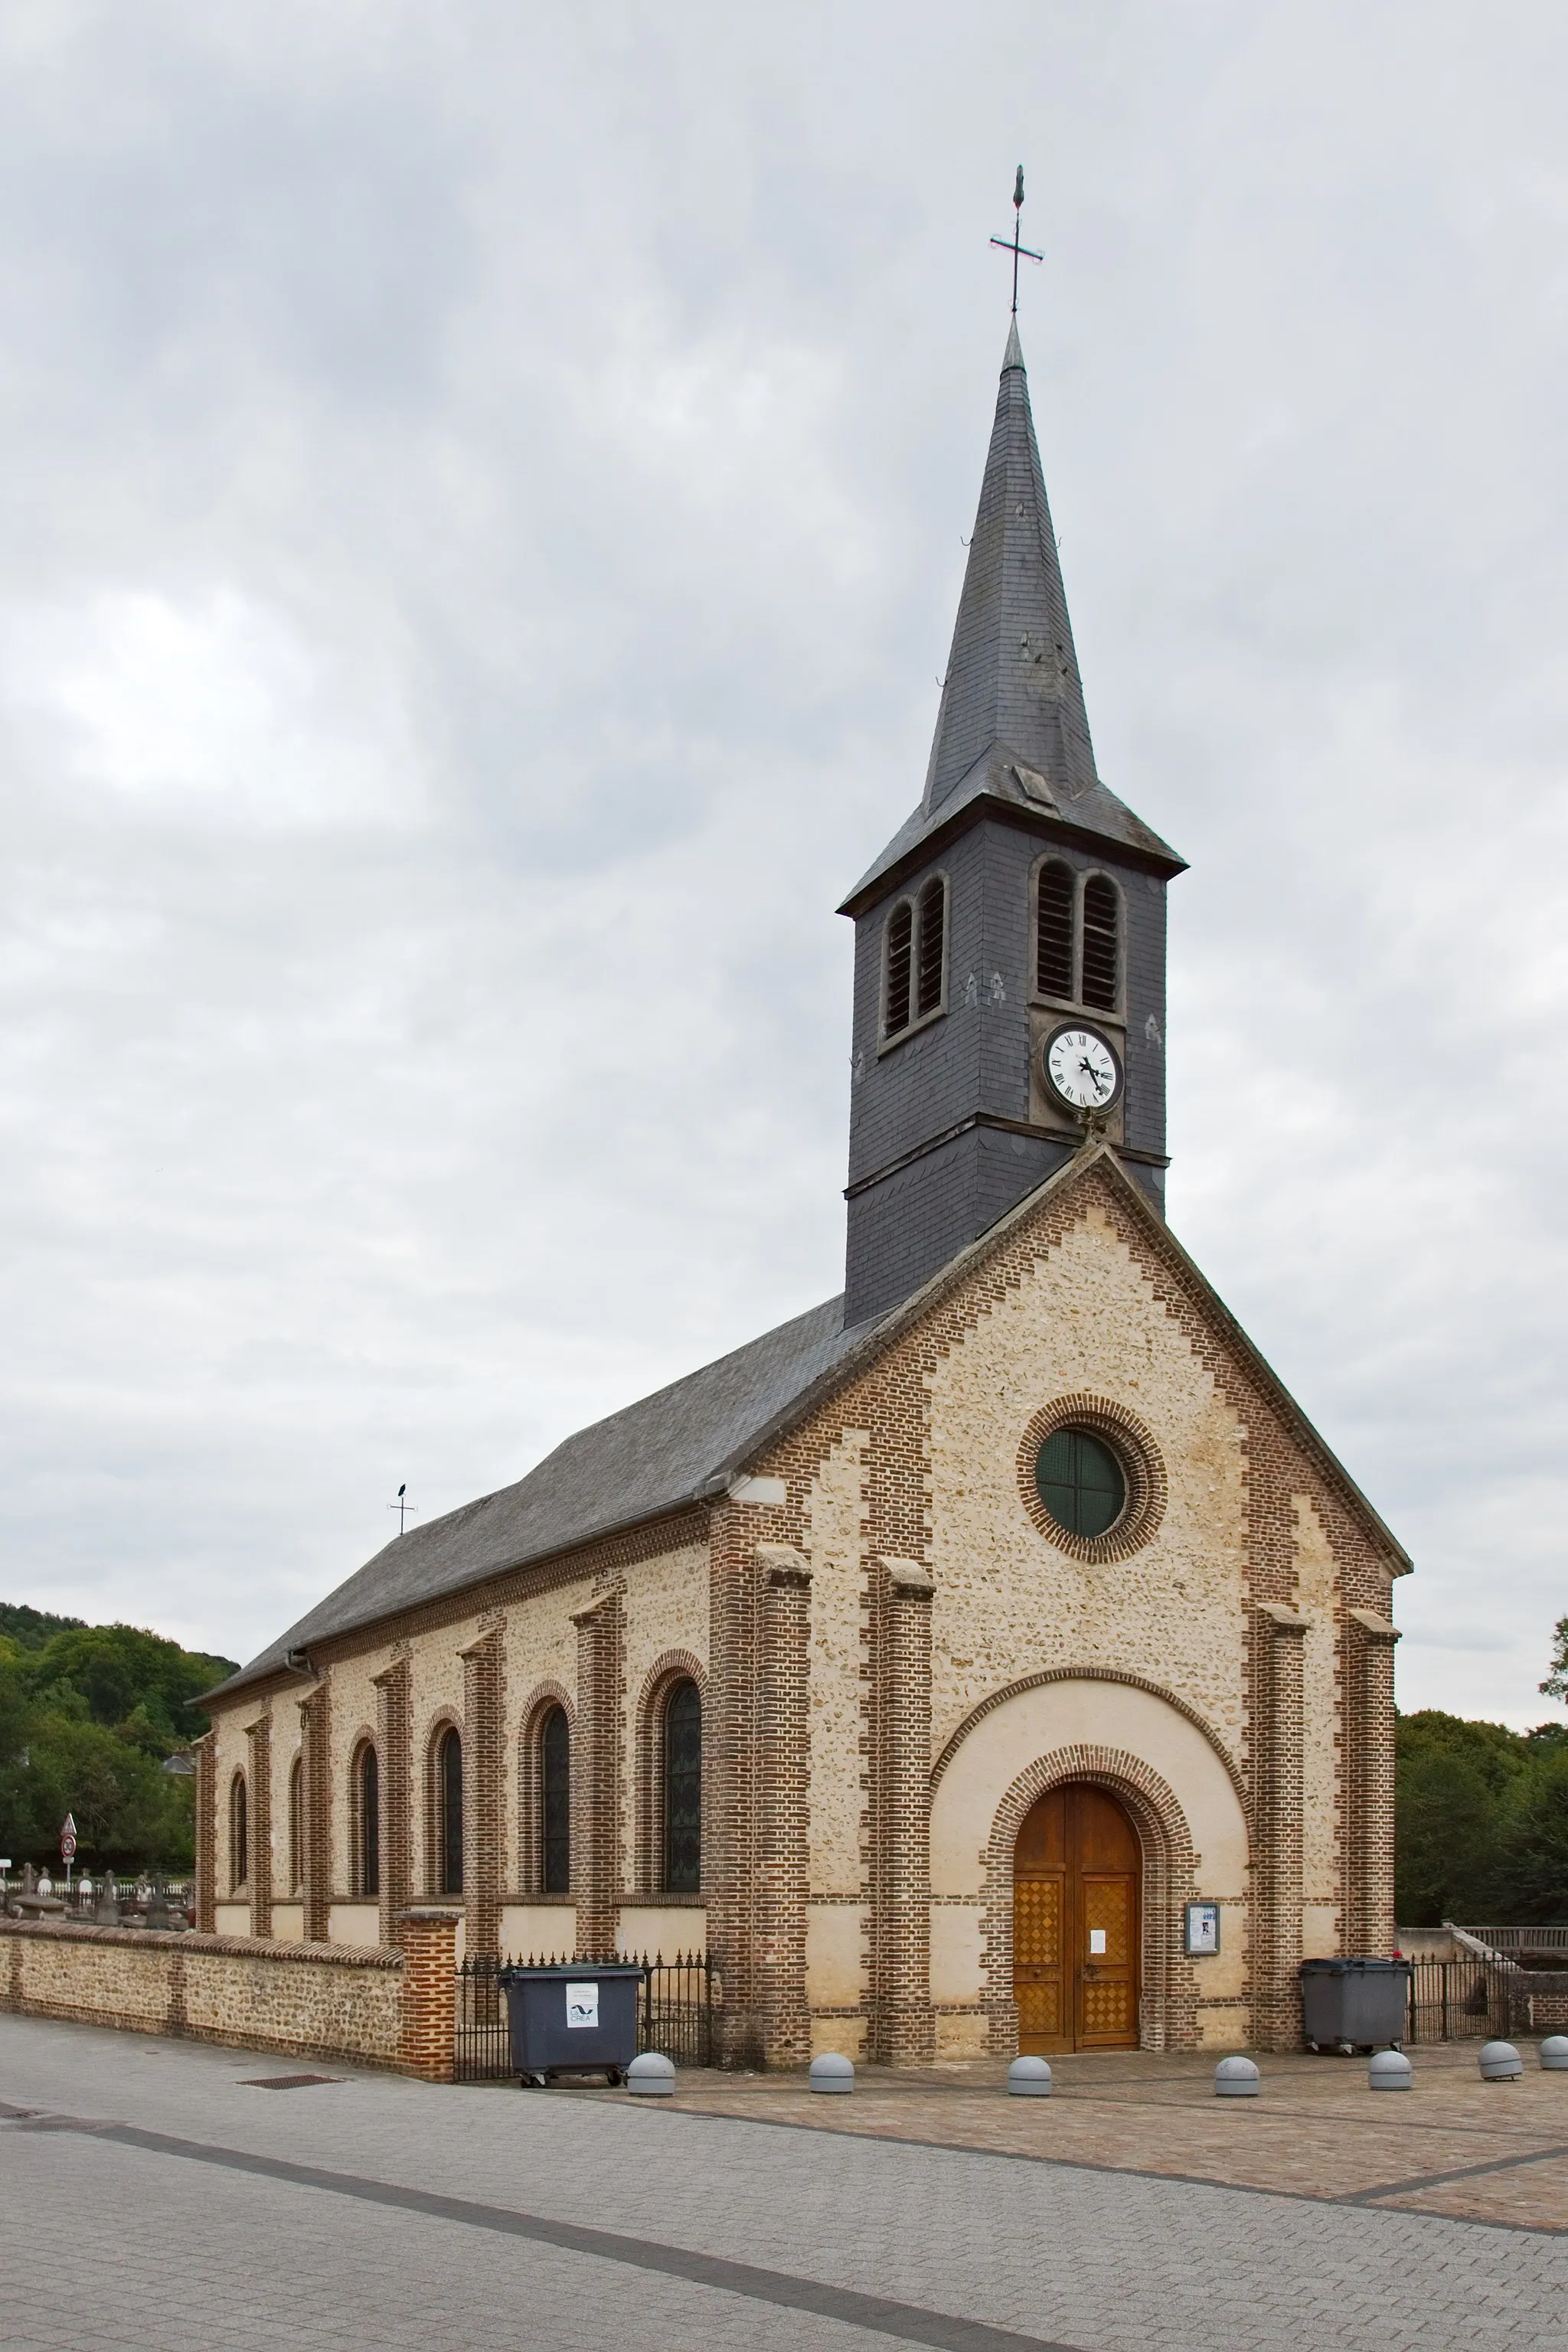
(1081,1069)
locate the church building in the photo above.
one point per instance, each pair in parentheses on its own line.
(993,1657)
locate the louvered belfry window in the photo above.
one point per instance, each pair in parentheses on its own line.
(1100,944)
(1053,932)
(901,945)
(932,946)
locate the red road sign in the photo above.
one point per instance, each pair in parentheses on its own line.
(67,1837)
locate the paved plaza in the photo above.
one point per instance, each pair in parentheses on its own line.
(154,2196)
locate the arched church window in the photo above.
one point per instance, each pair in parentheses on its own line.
(449,1813)
(238,1832)
(1053,931)
(1101,943)
(899,960)
(931,960)
(296,1822)
(367,1808)
(1081,1483)
(555,1803)
(683,1789)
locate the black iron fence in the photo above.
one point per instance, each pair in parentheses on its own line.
(675,2008)
(1454,2000)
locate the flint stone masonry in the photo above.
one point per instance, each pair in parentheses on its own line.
(309,2001)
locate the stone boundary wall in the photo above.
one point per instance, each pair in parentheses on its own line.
(341,2002)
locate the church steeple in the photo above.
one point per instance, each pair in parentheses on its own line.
(1020,903)
(1013,681)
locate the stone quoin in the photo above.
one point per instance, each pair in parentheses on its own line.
(924,1659)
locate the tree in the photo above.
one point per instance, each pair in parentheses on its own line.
(1556,1683)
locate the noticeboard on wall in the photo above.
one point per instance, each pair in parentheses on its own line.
(1201,1929)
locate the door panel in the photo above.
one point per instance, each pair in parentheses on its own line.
(1076,1924)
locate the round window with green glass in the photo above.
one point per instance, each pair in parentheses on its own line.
(1081,1483)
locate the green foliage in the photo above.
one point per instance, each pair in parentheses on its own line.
(30,1628)
(1556,1683)
(88,1713)
(1482,1821)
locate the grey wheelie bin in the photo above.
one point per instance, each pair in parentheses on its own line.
(576,2017)
(1349,2005)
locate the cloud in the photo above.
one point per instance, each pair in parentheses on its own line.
(485,495)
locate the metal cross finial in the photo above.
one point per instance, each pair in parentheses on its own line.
(1010,243)
(403,1506)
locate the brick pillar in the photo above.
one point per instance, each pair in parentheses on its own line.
(484,1705)
(1276,1835)
(316,1805)
(259,1735)
(596,1773)
(429,2035)
(206,1832)
(394,1757)
(784,1860)
(903,2027)
(1369,1793)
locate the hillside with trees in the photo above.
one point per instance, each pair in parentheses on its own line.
(88,1714)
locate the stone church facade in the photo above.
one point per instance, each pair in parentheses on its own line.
(993,1656)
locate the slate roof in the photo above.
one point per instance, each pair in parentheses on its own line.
(672,1448)
(1012,721)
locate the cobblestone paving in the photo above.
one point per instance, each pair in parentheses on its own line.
(1493,2151)
(104,2241)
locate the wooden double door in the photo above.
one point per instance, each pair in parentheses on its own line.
(1077,1930)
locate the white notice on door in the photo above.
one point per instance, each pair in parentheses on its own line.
(582,2004)
(1096,1942)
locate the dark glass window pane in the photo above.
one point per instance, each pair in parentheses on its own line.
(683,1789)
(368,1824)
(1100,944)
(451,1814)
(296,1828)
(239,1834)
(1053,942)
(1080,1482)
(901,937)
(555,1802)
(933,931)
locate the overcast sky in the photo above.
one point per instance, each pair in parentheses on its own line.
(483,492)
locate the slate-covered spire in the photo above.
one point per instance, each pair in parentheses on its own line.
(1011,682)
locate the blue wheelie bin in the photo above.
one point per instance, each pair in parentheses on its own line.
(572,2018)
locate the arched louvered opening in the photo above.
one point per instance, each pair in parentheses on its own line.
(367,1809)
(1053,931)
(899,959)
(296,1823)
(449,1813)
(683,1789)
(555,1803)
(238,1832)
(931,958)
(1101,943)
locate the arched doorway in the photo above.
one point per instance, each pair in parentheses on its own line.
(1076,1925)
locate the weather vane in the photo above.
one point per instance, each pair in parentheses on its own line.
(403,1506)
(1010,243)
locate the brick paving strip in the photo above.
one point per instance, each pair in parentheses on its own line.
(877,2314)
(1309,2137)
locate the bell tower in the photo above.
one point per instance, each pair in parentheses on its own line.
(1010,940)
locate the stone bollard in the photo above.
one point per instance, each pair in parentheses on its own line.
(1499,2062)
(1029,2078)
(1236,2078)
(831,2073)
(1389,2070)
(651,2075)
(1554,2053)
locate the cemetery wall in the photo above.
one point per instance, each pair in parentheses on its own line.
(338,2003)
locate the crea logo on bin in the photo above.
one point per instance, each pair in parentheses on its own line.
(582,2004)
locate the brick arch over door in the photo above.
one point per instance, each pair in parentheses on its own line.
(675,1666)
(1168,2013)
